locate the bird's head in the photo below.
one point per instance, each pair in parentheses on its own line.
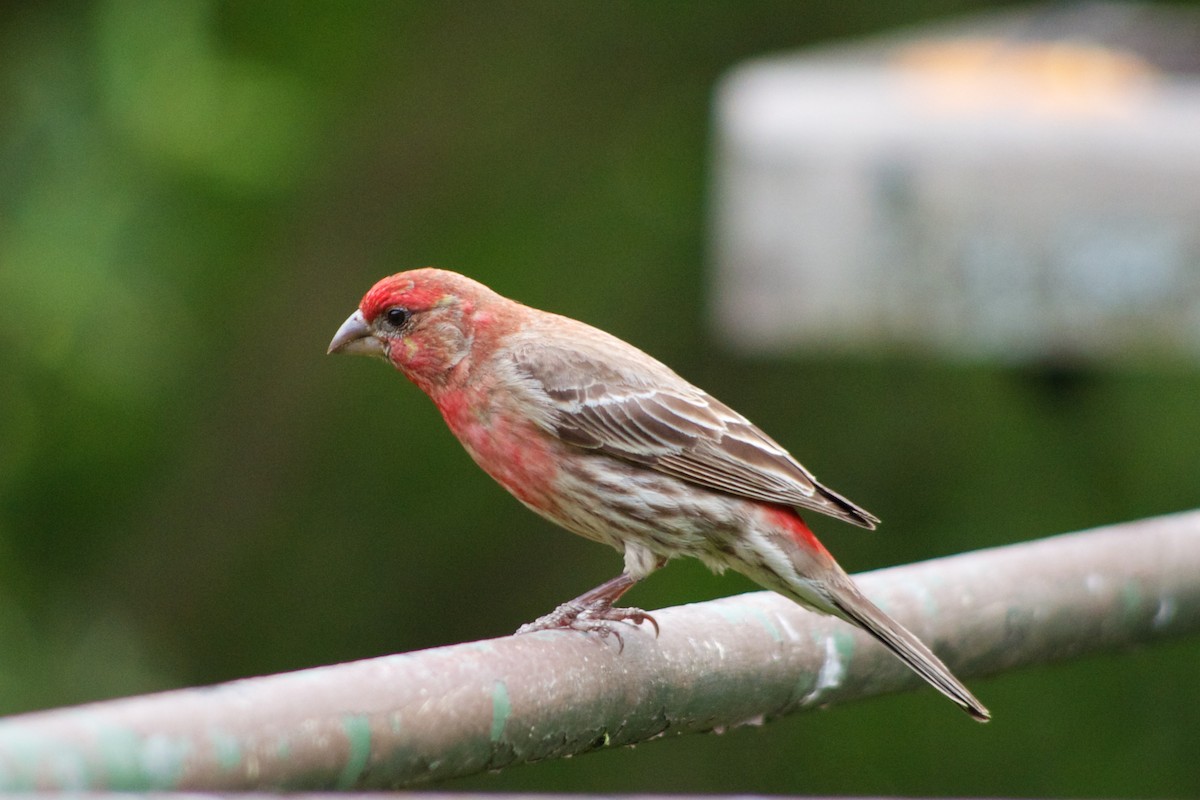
(422,321)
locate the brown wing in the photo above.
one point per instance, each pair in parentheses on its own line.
(611,397)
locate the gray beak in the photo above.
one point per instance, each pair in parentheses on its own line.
(355,337)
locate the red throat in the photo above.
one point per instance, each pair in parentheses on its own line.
(510,449)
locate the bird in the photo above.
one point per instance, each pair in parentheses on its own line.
(609,443)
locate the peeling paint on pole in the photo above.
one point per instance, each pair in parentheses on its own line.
(501,708)
(416,718)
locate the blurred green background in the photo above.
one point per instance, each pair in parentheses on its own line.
(194,195)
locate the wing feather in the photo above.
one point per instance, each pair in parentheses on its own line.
(610,397)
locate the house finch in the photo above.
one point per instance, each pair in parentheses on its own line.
(609,443)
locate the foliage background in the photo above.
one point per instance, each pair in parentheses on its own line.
(194,194)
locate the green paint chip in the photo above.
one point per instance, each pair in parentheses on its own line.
(501,709)
(843,640)
(120,768)
(1131,599)
(227,751)
(358,735)
(767,623)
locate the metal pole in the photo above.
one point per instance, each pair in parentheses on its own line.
(419,717)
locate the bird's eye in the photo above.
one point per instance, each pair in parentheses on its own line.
(397,316)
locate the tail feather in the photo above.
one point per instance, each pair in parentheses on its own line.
(855,608)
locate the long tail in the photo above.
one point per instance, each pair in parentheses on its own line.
(820,584)
(855,608)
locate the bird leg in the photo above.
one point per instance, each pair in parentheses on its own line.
(593,611)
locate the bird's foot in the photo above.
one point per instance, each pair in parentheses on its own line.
(599,618)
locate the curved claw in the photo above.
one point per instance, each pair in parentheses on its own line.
(597,618)
(644,617)
(634,616)
(602,628)
(594,611)
(601,621)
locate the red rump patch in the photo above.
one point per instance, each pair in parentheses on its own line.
(790,520)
